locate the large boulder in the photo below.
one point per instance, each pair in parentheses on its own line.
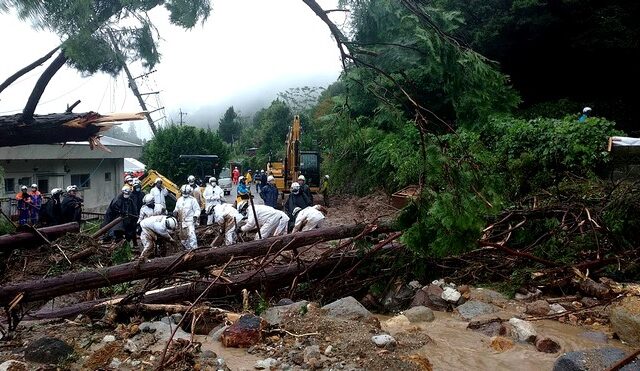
(430,297)
(474,308)
(419,314)
(523,330)
(538,308)
(275,315)
(489,326)
(625,320)
(347,308)
(162,329)
(593,360)
(488,296)
(245,332)
(397,297)
(47,350)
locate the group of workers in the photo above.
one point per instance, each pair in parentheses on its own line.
(61,207)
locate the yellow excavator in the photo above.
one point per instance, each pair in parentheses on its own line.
(149,178)
(296,162)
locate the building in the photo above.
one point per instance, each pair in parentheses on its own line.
(98,174)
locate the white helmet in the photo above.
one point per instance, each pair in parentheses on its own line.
(128,178)
(270,178)
(191,179)
(72,187)
(55,191)
(170,223)
(186,190)
(158,180)
(126,190)
(136,181)
(295,187)
(212,180)
(301,177)
(262,171)
(241,178)
(23,188)
(148,199)
(586,110)
(327,176)
(297,210)
(34,186)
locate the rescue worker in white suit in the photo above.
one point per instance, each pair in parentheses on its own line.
(154,227)
(187,211)
(229,219)
(272,222)
(159,192)
(150,208)
(309,218)
(213,196)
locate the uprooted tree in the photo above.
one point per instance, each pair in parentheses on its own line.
(95,36)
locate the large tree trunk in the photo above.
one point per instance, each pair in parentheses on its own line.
(23,240)
(44,289)
(41,85)
(58,128)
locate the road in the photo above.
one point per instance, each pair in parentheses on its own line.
(232,197)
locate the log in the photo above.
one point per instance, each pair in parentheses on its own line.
(106,228)
(48,288)
(59,128)
(23,240)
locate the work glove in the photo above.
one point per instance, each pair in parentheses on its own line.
(195,219)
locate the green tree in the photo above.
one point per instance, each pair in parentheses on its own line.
(91,30)
(229,127)
(163,151)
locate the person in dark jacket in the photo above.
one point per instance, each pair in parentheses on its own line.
(137,195)
(51,211)
(304,188)
(122,206)
(71,206)
(297,201)
(269,192)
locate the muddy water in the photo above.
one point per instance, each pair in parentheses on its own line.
(456,348)
(236,359)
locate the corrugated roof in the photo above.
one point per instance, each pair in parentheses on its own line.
(109,141)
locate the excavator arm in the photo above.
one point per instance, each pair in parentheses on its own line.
(149,179)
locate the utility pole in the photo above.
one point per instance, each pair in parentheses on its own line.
(181,115)
(132,82)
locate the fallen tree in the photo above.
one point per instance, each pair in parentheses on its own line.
(44,289)
(60,128)
(22,240)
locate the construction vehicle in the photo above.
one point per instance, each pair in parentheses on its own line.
(148,181)
(296,163)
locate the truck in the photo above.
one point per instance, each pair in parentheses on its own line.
(295,163)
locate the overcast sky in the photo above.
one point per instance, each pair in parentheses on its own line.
(246,52)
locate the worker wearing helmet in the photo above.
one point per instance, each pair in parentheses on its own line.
(187,212)
(213,195)
(268,220)
(297,201)
(248,177)
(71,205)
(304,187)
(155,229)
(198,192)
(586,112)
(150,208)
(242,191)
(269,192)
(36,203)
(50,212)
(229,219)
(137,195)
(24,205)
(324,190)
(159,192)
(310,218)
(122,207)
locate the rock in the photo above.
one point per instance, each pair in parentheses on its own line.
(162,329)
(384,341)
(538,308)
(589,302)
(490,326)
(451,295)
(311,356)
(216,333)
(347,308)
(247,331)
(528,295)
(47,350)
(474,308)
(430,297)
(397,297)
(592,288)
(131,346)
(415,285)
(419,314)
(595,336)
(625,320)
(115,363)
(327,350)
(501,344)
(524,331)
(176,318)
(12,365)
(208,354)
(557,308)
(463,289)
(108,338)
(265,364)
(284,301)
(547,345)
(275,315)
(136,363)
(487,296)
(399,321)
(592,360)
(438,283)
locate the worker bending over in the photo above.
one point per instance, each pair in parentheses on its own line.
(229,219)
(150,208)
(188,212)
(272,222)
(154,227)
(309,218)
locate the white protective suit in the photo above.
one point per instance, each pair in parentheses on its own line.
(229,218)
(146,211)
(152,228)
(159,195)
(188,208)
(308,219)
(268,218)
(213,196)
